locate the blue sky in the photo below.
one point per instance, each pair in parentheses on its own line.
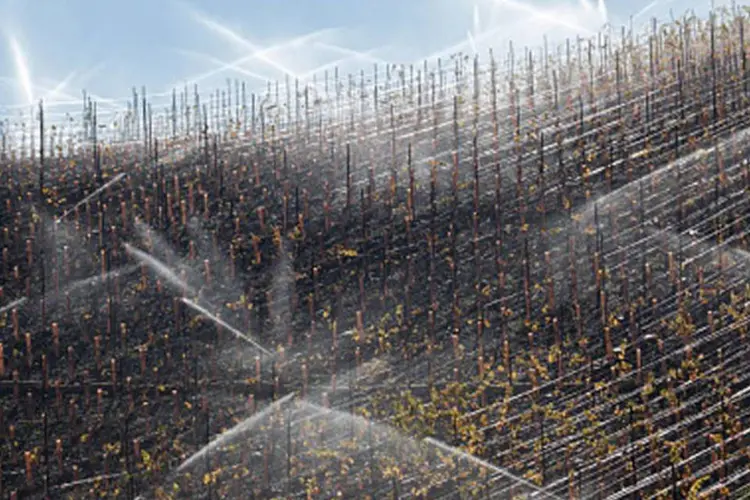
(52,49)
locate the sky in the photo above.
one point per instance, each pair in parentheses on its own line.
(53,49)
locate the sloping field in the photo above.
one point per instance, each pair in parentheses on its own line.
(503,277)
